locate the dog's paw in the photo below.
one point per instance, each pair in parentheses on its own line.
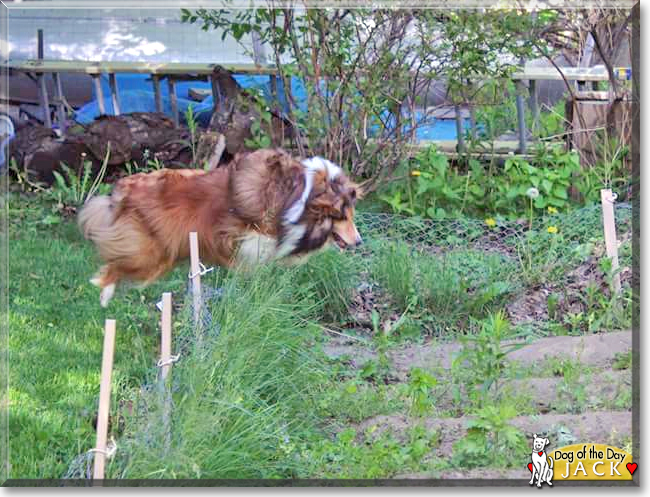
(106,294)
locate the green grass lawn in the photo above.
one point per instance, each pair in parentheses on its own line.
(55,342)
(257,397)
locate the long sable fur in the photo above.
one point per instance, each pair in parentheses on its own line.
(141,229)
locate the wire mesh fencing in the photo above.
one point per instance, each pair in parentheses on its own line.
(500,240)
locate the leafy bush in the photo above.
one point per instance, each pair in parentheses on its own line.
(436,190)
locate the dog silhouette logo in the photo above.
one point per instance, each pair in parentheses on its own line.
(541,465)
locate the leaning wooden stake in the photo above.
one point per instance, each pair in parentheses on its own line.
(166,338)
(166,360)
(104,399)
(195,265)
(607,200)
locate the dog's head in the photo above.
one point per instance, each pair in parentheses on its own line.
(539,443)
(322,212)
(306,204)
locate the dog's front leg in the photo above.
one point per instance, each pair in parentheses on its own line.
(532,478)
(540,475)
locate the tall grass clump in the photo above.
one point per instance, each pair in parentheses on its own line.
(244,392)
(393,268)
(331,276)
(462,284)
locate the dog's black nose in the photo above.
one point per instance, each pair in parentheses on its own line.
(358,241)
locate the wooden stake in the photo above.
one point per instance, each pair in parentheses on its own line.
(611,244)
(195,269)
(166,339)
(104,399)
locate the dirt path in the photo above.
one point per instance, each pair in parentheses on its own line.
(596,350)
(590,404)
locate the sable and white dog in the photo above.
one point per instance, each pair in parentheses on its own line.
(542,464)
(265,205)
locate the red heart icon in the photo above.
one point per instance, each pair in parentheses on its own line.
(530,467)
(631,467)
(540,453)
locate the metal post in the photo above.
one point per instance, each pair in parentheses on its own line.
(521,119)
(39,49)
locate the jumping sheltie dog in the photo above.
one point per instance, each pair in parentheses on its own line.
(264,205)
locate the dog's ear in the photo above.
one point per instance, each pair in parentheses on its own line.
(546,442)
(534,435)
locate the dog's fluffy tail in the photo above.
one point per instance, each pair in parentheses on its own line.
(114,238)
(96,217)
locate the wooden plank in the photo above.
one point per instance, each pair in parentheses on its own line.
(592,95)
(156,93)
(99,93)
(598,73)
(115,97)
(45,101)
(104,399)
(173,68)
(173,100)
(60,107)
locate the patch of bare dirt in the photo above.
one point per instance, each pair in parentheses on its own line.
(532,305)
(611,427)
(597,350)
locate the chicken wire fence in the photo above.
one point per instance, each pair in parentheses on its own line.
(499,235)
(434,237)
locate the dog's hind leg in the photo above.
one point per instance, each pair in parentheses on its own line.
(106,279)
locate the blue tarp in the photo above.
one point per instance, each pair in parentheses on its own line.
(136,95)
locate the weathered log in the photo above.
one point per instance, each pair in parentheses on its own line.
(237,112)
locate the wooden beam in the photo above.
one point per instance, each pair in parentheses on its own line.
(115,97)
(60,107)
(174,68)
(156,92)
(173,100)
(45,101)
(99,93)
(532,102)
(521,118)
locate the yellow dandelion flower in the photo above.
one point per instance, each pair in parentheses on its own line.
(415,173)
(552,229)
(552,210)
(490,222)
